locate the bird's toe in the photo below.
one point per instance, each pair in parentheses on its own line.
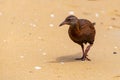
(88,59)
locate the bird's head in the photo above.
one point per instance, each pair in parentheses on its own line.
(70,20)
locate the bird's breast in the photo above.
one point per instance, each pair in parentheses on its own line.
(74,34)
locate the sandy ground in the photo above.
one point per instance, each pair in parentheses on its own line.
(33,47)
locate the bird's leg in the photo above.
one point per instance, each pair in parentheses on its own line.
(82,46)
(86,51)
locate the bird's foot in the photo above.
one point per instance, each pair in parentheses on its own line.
(83,59)
(88,59)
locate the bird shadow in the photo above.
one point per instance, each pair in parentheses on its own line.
(67,58)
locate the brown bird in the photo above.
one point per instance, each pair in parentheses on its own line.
(81,31)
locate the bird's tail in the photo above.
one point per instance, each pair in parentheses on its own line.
(93,23)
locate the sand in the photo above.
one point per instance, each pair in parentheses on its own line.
(34,47)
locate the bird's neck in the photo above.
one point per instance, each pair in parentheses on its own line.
(75,27)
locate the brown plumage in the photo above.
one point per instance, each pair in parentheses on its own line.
(81,31)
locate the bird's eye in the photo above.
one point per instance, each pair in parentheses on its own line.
(68,19)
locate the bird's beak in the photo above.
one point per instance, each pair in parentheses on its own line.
(63,23)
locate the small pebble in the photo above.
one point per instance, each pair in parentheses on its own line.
(52,15)
(51,25)
(114,52)
(97,15)
(4,40)
(110,27)
(44,54)
(33,25)
(71,12)
(40,49)
(113,18)
(37,67)
(116,47)
(40,38)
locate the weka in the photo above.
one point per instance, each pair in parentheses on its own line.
(81,31)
